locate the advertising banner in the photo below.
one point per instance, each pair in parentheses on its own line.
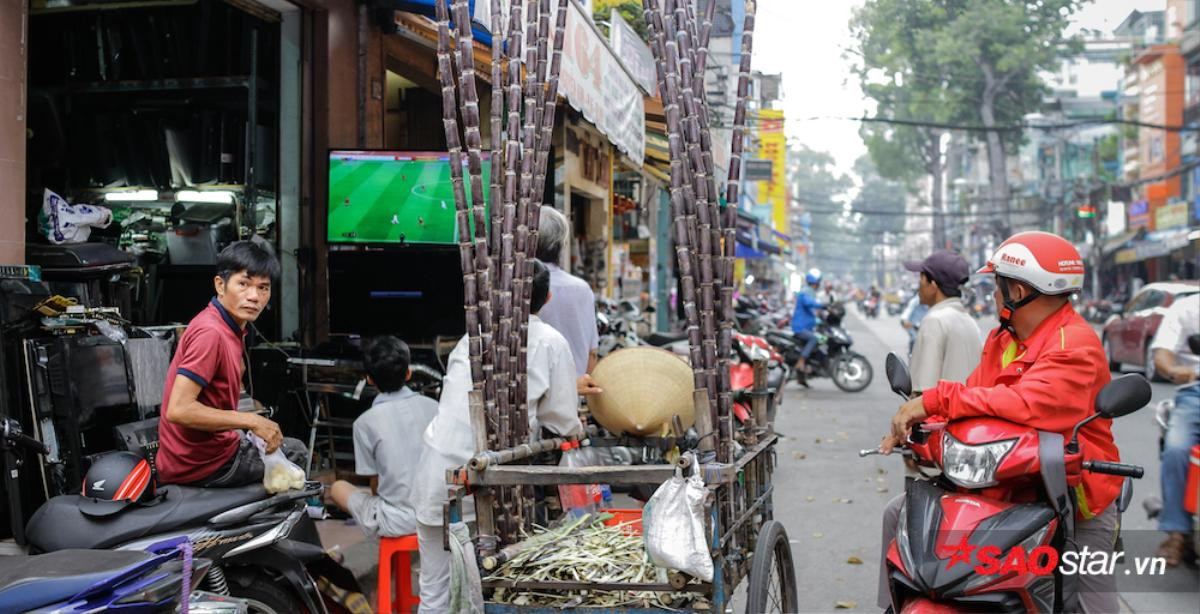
(595,83)
(773,147)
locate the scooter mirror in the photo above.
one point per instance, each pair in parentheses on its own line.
(897,374)
(1194,343)
(1122,396)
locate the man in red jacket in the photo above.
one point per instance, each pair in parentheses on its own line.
(1042,367)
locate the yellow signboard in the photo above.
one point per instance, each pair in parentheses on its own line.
(1173,215)
(773,147)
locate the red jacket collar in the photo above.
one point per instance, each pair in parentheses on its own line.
(1046,332)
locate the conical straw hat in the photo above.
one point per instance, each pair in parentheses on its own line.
(644,387)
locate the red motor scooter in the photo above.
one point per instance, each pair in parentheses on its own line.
(995,487)
(747,349)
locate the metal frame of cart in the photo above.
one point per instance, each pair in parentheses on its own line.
(744,539)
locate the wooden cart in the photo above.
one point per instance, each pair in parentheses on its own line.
(744,538)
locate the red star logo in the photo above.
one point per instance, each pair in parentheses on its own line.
(962,553)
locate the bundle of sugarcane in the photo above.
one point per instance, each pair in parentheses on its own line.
(497,264)
(581,550)
(704,234)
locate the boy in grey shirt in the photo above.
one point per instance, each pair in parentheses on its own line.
(387,443)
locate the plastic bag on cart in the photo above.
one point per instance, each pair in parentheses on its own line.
(279,473)
(673,525)
(61,222)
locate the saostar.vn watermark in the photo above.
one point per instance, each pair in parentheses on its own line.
(1044,560)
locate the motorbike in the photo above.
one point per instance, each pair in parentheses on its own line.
(1162,416)
(832,358)
(1003,485)
(263,548)
(152,579)
(869,306)
(617,325)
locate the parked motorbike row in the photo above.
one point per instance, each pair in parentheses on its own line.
(248,551)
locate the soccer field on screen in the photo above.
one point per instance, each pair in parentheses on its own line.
(373,199)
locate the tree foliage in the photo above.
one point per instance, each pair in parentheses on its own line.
(630,11)
(954,62)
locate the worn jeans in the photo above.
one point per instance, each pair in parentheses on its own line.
(1097,592)
(809,341)
(1183,432)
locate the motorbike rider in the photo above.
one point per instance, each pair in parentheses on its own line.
(1175,360)
(804,320)
(1042,367)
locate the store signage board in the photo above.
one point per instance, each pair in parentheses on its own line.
(633,52)
(596,84)
(1173,215)
(1139,214)
(758,170)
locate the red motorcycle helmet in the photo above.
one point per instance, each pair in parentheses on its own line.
(114,482)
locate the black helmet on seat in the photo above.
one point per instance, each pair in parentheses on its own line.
(115,481)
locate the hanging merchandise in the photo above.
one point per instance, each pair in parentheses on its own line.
(61,222)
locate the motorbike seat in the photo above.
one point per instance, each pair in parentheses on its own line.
(59,524)
(661,339)
(31,582)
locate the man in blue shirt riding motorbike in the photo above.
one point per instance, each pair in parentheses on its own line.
(804,320)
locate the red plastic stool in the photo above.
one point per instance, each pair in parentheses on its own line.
(397,550)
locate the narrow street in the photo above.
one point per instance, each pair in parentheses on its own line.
(831,501)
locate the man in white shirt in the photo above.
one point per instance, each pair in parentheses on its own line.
(948,347)
(573,311)
(449,439)
(1173,358)
(387,443)
(948,344)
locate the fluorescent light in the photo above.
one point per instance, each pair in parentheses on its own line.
(224,197)
(130,196)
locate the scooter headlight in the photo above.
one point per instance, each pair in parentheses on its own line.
(973,466)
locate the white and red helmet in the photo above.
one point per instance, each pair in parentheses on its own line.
(1045,261)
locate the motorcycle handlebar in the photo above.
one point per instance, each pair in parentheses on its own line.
(1132,471)
(11,432)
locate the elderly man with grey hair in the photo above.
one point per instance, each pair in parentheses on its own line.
(573,310)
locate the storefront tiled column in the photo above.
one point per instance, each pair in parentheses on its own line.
(13,19)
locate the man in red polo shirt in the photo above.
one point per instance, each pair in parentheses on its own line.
(1042,367)
(201,436)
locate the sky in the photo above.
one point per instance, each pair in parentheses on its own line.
(806,39)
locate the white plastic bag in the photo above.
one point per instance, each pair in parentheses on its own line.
(673,525)
(61,222)
(279,473)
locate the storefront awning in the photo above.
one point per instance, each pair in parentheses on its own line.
(1115,242)
(1156,244)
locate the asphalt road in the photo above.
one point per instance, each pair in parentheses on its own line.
(831,501)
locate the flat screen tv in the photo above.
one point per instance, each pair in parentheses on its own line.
(393,197)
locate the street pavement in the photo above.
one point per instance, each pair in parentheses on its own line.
(831,501)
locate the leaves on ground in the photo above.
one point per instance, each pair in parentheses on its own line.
(854,560)
(848,604)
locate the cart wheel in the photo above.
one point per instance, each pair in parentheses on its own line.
(772,585)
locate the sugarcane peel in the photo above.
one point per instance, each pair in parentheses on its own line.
(583,549)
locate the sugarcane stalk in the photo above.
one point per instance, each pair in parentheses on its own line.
(683,25)
(680,189)
(466,247)
(547,126)
(731,194)
(495,185)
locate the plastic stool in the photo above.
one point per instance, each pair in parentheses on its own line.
(397,550)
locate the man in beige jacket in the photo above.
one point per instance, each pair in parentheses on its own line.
(948,347)
(948,343)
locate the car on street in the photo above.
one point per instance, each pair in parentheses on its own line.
(1129,331)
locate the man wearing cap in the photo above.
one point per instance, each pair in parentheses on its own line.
(948,344)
